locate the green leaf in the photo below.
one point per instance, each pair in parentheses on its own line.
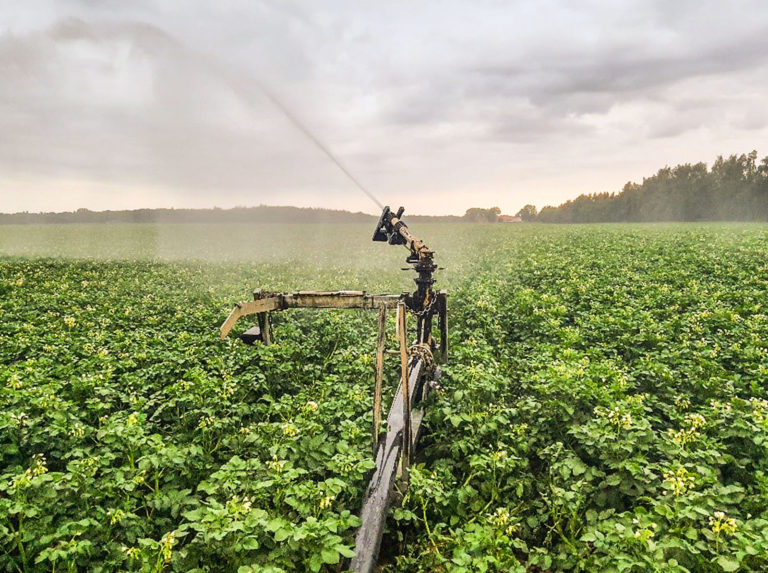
(330,556)
(282,534)
(315,563)
(727,563)
(275,524)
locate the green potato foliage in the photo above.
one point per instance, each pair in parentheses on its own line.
(604,408)
(132,438)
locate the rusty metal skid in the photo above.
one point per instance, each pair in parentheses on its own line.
(419,367)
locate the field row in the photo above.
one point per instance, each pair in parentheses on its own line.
(604,409)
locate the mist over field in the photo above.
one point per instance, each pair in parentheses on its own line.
(310,251)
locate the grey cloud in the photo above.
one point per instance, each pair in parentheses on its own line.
(564,79)
(175,129)
(578,84)
(169,94)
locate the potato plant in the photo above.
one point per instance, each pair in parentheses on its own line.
(131,438)
(604,409)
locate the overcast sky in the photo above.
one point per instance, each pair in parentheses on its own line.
(439,106)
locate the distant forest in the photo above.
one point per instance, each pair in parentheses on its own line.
(260,214)
(734,189)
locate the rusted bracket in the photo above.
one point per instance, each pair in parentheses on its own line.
(246,308)
(269,301)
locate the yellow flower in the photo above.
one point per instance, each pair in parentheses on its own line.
(326,501)
(678,481)
(616,417)
(77,430)
(276,465)
(16,382)
(166,546)
(501,517)
(131,552)
(115,515)
(721,523)
(236,505)
(289,429)
(695,421)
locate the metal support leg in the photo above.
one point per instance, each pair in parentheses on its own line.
(263,318)
(264,326)
(442,324)
(403,336)
(380,347)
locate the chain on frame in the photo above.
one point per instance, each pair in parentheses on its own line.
(425,311)
(423,351)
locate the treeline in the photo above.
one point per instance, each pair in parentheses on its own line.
(260,214)
(734,189)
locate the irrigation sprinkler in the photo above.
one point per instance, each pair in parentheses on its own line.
(420,372)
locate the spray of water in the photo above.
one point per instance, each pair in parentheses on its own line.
(231,78)
(319,144)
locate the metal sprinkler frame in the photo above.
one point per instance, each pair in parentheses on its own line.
(419,367)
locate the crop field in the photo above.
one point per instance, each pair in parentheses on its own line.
(605,407)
